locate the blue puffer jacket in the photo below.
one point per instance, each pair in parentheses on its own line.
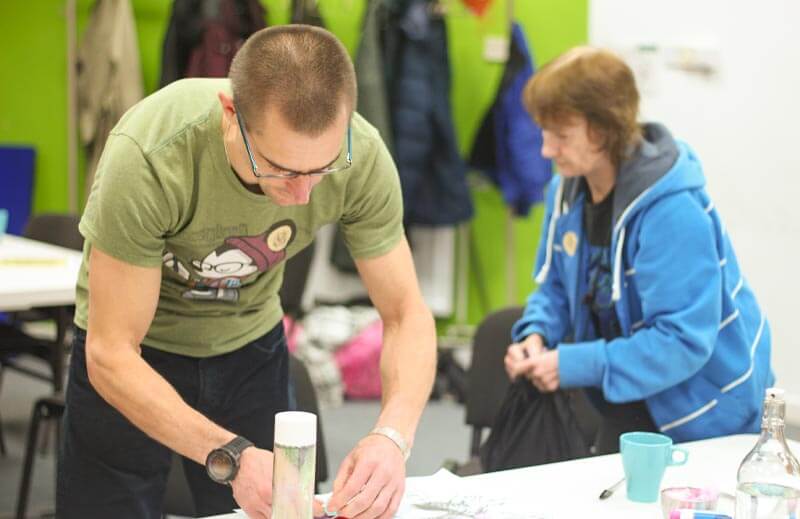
(695,346)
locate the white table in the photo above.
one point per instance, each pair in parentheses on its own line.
(570,489)
(35,274)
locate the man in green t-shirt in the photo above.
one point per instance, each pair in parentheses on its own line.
(203,191)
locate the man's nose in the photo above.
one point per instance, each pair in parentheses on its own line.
(301,185)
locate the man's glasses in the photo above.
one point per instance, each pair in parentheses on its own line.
(285,173)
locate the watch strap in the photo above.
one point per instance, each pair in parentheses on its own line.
(237,445)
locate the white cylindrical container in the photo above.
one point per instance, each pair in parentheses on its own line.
(294,465)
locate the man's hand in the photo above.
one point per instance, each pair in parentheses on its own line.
(542,370)
(371,480)
(252,486)
(518,352)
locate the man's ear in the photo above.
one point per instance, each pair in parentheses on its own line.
(227,104)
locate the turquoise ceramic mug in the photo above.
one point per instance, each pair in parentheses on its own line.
(645,456)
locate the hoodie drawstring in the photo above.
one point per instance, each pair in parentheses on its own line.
(551,233)
(616,289)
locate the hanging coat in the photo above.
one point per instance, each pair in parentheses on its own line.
(432,172)
(508,147)
(204,35)
(372,103)
(109,76)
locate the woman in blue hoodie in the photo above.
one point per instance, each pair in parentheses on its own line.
(641,300)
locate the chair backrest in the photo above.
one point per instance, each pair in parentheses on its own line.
(56,229)
(487,381)
(295,275)
(61,230)
(306,397)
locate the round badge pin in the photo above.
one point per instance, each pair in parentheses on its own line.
(570,243)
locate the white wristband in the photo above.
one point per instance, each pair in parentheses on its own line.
(396,437)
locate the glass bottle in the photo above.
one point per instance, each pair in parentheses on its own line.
(768,482)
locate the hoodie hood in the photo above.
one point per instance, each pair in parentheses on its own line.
(651,160)
(658,167)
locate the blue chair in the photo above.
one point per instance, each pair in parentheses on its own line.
(16,185)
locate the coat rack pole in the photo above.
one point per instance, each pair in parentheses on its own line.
(511,281)
(72,137)
(511,263)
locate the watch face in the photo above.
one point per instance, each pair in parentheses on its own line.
(219,465)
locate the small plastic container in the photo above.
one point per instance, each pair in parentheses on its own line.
(294,465)
(688,498)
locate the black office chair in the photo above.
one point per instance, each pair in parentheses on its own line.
(55,229)
(46,408)
(61,230)
(14,342)
(306,399)
(487,381)
(58,229)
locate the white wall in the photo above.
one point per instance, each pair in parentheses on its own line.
(742,122)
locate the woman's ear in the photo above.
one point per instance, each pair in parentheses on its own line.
(596,136)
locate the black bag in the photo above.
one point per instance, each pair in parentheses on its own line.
(533,428)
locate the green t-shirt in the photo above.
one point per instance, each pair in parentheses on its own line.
(165,196)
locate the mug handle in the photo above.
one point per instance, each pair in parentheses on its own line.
(682,461)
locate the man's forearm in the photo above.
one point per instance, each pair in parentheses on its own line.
(408,365)
(145,398)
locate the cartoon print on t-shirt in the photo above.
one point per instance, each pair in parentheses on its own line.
(221,272)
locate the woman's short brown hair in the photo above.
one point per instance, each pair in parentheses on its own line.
(594,84)
(303,71)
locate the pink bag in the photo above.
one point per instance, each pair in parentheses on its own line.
(292,329)
(359,362)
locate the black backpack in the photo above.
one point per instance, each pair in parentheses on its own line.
(533,428)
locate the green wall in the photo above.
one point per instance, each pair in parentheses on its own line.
(551,27)
(33,102)
(33,94)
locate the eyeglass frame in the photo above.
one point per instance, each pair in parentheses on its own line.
(289,174)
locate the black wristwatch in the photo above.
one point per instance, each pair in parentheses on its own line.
(222,463)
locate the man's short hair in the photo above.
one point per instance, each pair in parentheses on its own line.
(591,83)
(303,71)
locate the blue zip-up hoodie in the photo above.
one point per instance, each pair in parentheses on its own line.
(695,346)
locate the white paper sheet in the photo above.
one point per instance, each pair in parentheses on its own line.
(445,495)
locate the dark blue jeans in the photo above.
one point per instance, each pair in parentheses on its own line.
(109,468)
